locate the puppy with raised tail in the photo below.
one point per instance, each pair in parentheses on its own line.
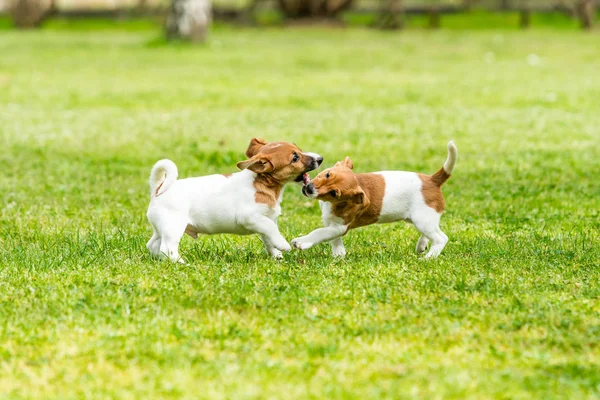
(242,203)
(349,201)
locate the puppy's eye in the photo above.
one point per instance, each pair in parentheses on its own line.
(332,193)
(327,175)
(296,157)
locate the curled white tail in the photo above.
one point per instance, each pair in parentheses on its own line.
(162,176)
(452,157)
(440,177)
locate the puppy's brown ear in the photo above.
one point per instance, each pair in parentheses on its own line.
(359,197)
(254,147)
(260,165)
(348,163)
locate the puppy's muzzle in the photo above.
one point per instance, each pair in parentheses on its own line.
(314,163)
(309,191)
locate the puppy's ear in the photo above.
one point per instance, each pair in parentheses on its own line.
(359,197)
(254,147)
(346,163)
(260,165)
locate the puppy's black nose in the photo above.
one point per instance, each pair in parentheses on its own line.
(319,160)
(308,190)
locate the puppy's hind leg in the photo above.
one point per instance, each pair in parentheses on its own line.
(337,248)
(273,252)
(438,242)
(428,223)
(422,244)
(153,245)
(171,234)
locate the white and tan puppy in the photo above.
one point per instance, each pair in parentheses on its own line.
(349,201)
(243,203)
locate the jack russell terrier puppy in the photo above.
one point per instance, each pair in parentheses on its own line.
(349,201)
(243,203)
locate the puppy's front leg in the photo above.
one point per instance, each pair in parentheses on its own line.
(268,231)
(331,232)
(337,248)
(273,252)
(337,245)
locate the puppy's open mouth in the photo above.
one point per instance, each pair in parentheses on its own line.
(304,179)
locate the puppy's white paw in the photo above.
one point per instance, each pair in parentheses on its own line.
(422,244)
(300,244)
(276,254)
(433,253)
(339,253)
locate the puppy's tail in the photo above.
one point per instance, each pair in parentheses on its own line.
(440,177)
(162,176)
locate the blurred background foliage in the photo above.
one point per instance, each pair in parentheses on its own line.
(385,14)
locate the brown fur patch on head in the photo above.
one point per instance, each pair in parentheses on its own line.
(336,184)
(432,192)
(356,198)
(284,161)
(276,164)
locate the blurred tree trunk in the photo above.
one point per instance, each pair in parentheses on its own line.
(249,14)
(524,18)
(390,15)
(312,8)
(586,11)
(30,13)
(189,20)
(434,17)
(142,6)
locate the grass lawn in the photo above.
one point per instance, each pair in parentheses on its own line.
(510,310)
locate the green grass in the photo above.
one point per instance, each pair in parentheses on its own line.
(482,20)
(510,310)
(476,20)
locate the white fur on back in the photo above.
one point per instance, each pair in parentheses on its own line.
(212,203)
(402,194)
